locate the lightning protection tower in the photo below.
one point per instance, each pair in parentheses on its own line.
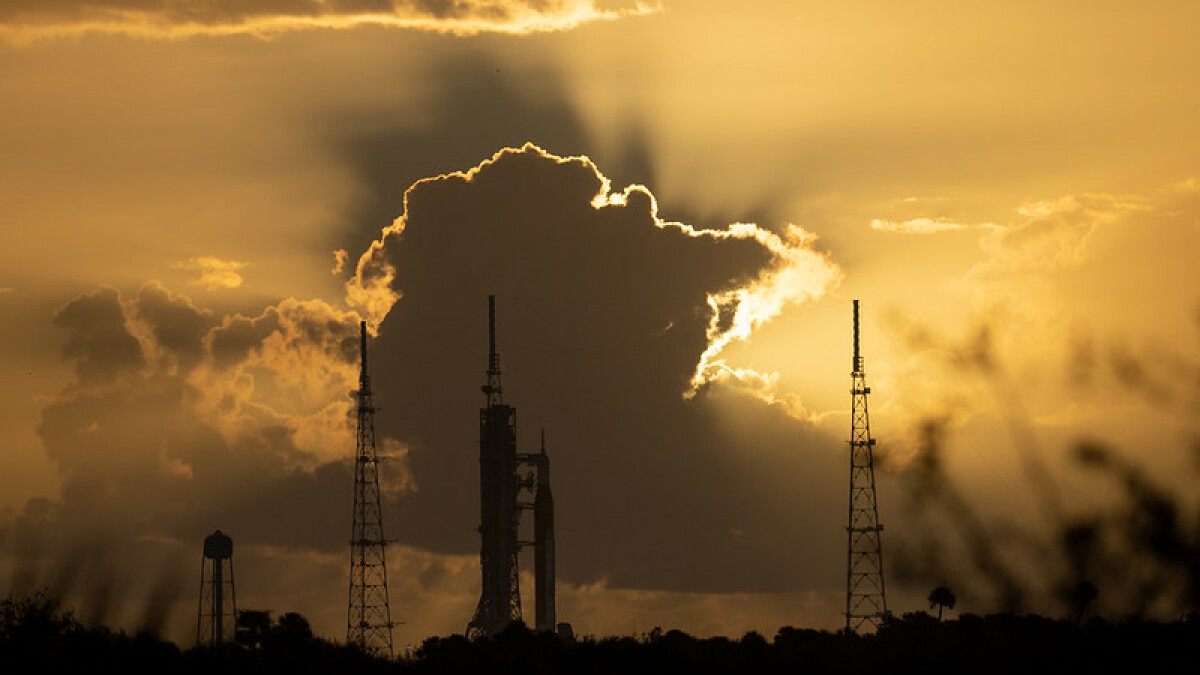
(369,616)
(500,596)
(866,603)
(217,617)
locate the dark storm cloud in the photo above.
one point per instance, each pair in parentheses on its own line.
(155,451)
(177,325)
(221,11)
(98,340)
(232,343)
(603,316)
(388,152)
(183,11)
(143,459)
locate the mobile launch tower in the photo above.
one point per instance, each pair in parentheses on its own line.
(500,490)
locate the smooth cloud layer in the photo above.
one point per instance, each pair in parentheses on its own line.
(174,19)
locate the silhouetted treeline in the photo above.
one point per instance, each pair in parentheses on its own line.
(37,636)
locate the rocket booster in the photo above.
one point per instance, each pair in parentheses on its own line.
(543,544)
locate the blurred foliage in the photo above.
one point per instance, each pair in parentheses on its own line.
(1136,555)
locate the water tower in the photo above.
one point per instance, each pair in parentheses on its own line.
(217,618)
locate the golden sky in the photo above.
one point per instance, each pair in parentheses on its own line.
(199,201)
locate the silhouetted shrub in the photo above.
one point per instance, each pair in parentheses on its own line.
(38,636)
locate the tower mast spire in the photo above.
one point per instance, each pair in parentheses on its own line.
(493,389)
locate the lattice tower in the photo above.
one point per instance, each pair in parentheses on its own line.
(369,615)
(866,601)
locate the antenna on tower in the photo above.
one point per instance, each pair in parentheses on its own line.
(369,615)
(493,358)
(362,351)
(866,602)
(493,388)
(858,362)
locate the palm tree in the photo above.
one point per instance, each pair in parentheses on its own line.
(942,598)
(1084,593)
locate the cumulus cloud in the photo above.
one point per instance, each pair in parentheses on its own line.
(176,326)
(797,272)
(179,421)
(794,272)
(162,358)
(614,329)
(340,257)
(98,340)
(214,273)
(1054,233)
(173,19)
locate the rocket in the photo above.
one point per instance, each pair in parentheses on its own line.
(543,545)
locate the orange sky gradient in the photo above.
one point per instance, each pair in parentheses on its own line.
(197,207)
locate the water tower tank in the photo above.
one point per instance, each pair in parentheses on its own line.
(218,546)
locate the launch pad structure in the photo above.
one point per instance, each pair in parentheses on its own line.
(504,492)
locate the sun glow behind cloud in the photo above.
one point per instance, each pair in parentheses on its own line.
(798,273)
(180,20)
(917,225)
(1084,298)
(214,273)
